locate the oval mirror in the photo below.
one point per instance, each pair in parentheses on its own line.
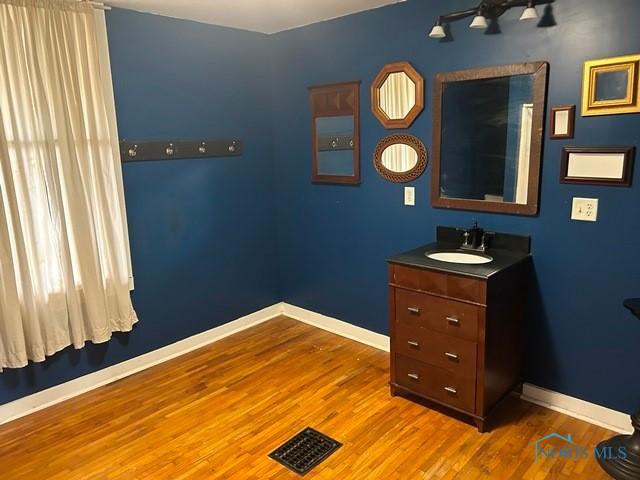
(400,158)
(397,95)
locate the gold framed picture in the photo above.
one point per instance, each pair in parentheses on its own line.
(610,86)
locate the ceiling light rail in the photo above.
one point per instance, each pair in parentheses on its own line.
(486,10)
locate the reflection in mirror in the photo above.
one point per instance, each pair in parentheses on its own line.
(611,85)
(335,145)
(488,138)
(397,95)
(399,158)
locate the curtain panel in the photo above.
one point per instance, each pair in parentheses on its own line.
(65,265)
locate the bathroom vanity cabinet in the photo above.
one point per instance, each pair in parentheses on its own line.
(457,339)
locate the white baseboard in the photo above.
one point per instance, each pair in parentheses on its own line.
(51,396)
(333,325)
(574,407)
(581,409)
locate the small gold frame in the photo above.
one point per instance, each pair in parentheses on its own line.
(631,101)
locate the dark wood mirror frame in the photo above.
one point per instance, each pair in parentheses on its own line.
(409,175)
(337,99)
(416,78)
(539,70)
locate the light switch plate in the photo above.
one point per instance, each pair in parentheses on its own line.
(410,195)
(585,209)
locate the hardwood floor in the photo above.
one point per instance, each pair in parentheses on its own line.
(219,411)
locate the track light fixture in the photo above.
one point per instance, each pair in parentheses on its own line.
(487,10)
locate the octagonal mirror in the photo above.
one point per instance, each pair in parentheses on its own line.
(400,158)
(397,95)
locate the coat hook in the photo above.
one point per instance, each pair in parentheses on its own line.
(133,151)
(170,148)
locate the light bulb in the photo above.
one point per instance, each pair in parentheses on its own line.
(529,13)
(479,22)
(437,32)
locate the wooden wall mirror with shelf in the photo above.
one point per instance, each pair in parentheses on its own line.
(335,133)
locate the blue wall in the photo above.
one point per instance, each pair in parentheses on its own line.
(333,240)
(202,237)
(215,239)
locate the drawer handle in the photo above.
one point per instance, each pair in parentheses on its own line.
(452,356)
(453,320)
(413,343)
(413,309)
(451,389)
(413,376)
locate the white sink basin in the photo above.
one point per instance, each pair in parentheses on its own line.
(460,257)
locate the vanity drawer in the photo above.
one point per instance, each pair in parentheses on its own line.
(440,283)
(444,351)
(436,383)
(439,314)
(417,279)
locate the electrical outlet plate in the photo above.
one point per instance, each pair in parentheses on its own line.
(585,209)
(410,196)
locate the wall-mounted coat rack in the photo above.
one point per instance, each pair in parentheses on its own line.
(142,150)
(335,142)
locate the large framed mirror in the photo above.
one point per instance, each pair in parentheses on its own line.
(400,158)
(487,138)
(335,133)
(397,95)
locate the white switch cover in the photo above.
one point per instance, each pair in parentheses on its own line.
(409,195)
(585,209)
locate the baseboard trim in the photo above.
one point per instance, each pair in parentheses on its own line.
(589,412)
(574,407)
(51,396)
(333,325)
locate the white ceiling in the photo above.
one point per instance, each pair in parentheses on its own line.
(267,16)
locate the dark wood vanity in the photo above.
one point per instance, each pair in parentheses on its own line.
(457,338)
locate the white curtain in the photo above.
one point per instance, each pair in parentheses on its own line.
(524,154)
(397,95)
(399,157)
(65,267)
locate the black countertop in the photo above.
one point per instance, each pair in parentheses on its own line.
(501,259)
